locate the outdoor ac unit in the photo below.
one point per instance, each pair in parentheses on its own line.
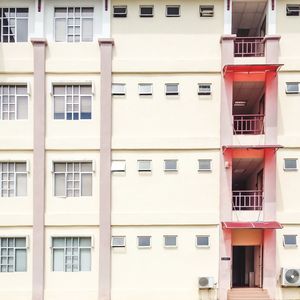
(206,282)
(290,277)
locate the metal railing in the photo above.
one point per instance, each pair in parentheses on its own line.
(248,124)
(249,47)
(247,200)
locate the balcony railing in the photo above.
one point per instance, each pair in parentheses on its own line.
(247,200)
(249,47)
(248,124)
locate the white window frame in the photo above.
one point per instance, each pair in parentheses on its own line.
(170,170)
(66,18)
(202,246)
(144,247)
(123,245)
(297,11)
(146,15)
(121,94)
(171,93)
(205,159)
(204,92)
(118,166)
(173,6)
(204,11)
(290,169)
(120,15)
(141,93)
(176,240)
(289,92)
(141,170)
(290,245)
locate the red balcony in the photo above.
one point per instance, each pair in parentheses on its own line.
(247,200)
(248,124)
(249,47)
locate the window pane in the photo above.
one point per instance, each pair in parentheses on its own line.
(58,242)
(170,165)
(118,241)
(144,241)
(86,108)
(59,108)
(85,242)
(60,30)
(21,184)
(290,164)
(85,259)
(58,260)
(21,167)
(21,260)
(87,12)
(202,241)
(59,185)
(170,240)
(86,167)
(20,242)
(86,184)
(59,167)
(22,33)
(204,164)
(22,102)
(87,30)
(290,240)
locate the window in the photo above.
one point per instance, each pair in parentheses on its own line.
(71,254)
(144,165)
(118,242)
(72,102)
(13,102)
(202,241)
(290,240)
(293,10)
(14,25)
(146,11)
(120,11)
(72,179)
(290,164)
(172,89)
(118,166)
(13,179)
(170,165)
(13,254)
(170,241)
(145,89)
(173,10)
(144,241)
(206,10)
(118,89)
(73,24)
(204,88)
(292,88)
(204,164)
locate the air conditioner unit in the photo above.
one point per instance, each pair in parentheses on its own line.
(206,282)
(290,277)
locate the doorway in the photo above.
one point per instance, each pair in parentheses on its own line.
(247,266)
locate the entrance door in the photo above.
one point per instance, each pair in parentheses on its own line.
(258,265)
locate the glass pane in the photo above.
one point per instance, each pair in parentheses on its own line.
(145,89)
(59,167)
(87,30)
(202,241)
(59,90)
(86,89)
(144,241)
(204,164)
(171,165)
(86,184)
(86,167)
(87,12)
(290,164)
(85,259)
(86,108)
(60,12)
(22,27)
(118,241)
(170,240)
(22,12)
(21,185)
(290,240)
(60,188)
(60,30)
(292,87)
(118,89)
(58,260)
(21,167)
(20,242)
(22,113)
(59,108)
(172,88)
(85,242)
(21,260)
(144,165)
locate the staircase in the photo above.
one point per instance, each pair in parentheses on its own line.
(247,294)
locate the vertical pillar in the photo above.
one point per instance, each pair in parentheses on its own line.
(271,17)
(105,167)
(272,48)
(38,250)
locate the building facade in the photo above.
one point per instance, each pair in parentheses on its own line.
(149,149)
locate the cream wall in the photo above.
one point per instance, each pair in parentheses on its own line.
(183,197)
(71,285)
(160,121)
(72,210)
(17,285)
(163,273)
(165,44)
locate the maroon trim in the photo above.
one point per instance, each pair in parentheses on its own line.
(228,4)
(106,5)
(273,4)
(39,5)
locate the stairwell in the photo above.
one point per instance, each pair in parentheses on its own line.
(247,294)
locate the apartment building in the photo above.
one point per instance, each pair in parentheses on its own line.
(149,149)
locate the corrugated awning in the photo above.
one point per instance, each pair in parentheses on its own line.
(251,147)
(252,225)
(251,68)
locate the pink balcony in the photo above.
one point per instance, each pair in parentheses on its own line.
(249,47)
(247,200)
(248,124)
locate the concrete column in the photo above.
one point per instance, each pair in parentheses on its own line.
(271,17)
(38,250)
(272,48)
(105,167)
